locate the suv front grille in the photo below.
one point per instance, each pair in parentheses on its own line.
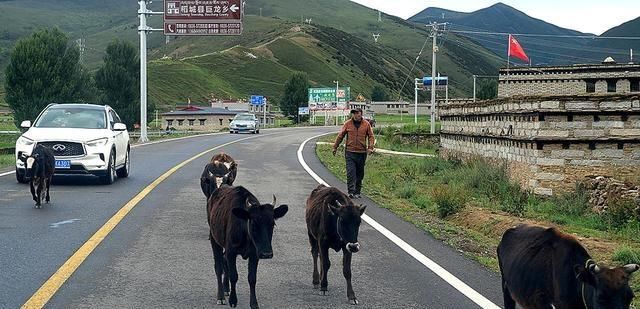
(64,149)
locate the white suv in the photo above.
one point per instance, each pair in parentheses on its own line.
(85,139)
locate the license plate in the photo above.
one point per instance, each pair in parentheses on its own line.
(63,164)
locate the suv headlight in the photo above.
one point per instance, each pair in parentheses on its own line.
(23,141)
(98,142)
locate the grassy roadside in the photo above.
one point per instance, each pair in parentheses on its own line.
(470,205)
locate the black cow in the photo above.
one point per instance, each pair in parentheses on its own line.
(333,222)
(545,268)
(40,166)
(222,169)
(240,225)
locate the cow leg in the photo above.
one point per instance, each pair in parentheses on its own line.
(253,273)
(233,277)
(346,271)
(225,278)
(326,264)
(33,192)
(509,303)
(48,185)
(314,254)
(219,266)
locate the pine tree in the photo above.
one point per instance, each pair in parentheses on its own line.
(44,69)
(119,81)
(295,94)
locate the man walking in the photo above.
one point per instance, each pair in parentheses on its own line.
(358,132)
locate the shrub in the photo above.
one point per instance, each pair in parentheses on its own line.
(627,255)
(421,201)
(449,200)
(619,212)
(407,191)
(573,203)
(513,198)
(431,166)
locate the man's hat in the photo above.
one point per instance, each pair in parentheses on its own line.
(356,110)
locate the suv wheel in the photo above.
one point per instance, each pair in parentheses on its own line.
(124,171)
(110,175)
(20,176)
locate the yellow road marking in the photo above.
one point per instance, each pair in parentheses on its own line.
(53,284)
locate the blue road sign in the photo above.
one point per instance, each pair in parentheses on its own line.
(303,111)
(440,80)
(257,100)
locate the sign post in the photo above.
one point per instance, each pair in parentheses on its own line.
(143,29)
(258,100)
(203,17)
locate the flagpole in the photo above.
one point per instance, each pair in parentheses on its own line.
(508,55)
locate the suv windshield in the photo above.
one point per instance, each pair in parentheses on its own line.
(72,117)
(245,117)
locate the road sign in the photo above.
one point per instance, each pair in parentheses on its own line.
(203,17)
(258,100)
(303,111)
(324,96)
(440,80)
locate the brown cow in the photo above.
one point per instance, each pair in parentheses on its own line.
(545,268)
(240,225)
(333,222)
(222,169)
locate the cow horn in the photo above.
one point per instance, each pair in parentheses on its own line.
(338,203)
(631,268)
(594,268)
(210,174)
(274,200)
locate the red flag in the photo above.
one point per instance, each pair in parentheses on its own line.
(515,49)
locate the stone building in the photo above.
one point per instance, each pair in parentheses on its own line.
(578,79)
(548,143)
(198,118)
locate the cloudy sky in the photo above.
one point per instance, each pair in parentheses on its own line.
(590,16)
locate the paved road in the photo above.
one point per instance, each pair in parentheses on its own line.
(159,255)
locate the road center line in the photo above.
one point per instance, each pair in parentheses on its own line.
(40,298)
(452,280)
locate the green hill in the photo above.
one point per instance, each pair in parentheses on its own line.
(337,45)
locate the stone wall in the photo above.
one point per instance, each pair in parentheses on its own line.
(566,81)
(549,144)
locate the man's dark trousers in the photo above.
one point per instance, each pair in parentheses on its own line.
(355,171)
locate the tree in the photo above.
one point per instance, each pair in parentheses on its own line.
(379,94)
(119,81)
(43,69)
(295,94)
(487,89)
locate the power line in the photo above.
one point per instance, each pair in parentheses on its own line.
(411,70)
(594,37)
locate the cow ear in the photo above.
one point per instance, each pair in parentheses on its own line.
(582,273)
(362,209)
(240,213)
(280,211)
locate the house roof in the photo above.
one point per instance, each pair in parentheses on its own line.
(202,111)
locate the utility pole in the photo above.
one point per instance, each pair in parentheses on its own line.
(435,32)
(337,89)
(143,29)
(379,16)
(475,77)
(260,12)
(81,48)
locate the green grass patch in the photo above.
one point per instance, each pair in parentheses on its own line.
(8,140)
(422,191)
(6,161)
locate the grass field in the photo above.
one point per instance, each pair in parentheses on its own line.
(469,205)
(401,119)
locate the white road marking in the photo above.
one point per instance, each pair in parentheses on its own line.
(452,280)
(7,173)
(57,224)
